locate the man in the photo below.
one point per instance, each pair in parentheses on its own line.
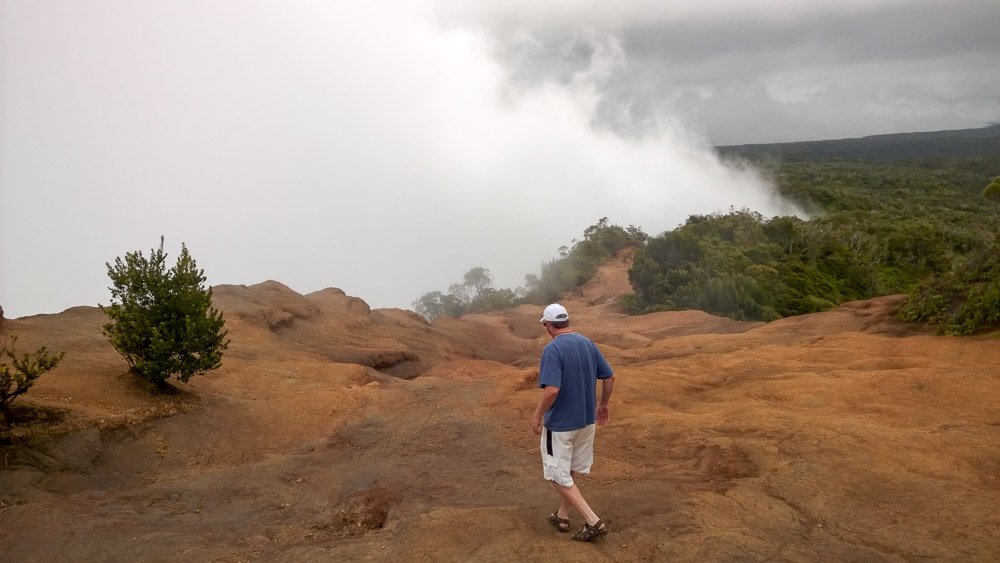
(570,367)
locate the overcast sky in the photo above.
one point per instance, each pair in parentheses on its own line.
(387,147)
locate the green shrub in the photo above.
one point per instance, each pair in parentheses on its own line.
(162,321)
(962,302)
(21,375)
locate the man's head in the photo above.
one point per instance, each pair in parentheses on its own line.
(555,316)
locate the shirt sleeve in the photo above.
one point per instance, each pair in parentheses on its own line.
(551,371)
(603,369)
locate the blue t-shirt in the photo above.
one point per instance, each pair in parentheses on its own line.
(572,363)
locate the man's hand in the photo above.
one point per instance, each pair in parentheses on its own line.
(536,424)
(603,414)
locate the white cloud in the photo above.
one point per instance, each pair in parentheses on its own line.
(821,66)
(540,15)
(351,145)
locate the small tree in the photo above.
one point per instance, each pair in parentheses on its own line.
(162,321)
(992,190)
(436,304)
(23,372)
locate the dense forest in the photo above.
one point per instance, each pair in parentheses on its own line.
(885,224)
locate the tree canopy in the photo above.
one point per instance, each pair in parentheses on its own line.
(162,321)
(925,227)
(574,267)
(878,228)
(992,190)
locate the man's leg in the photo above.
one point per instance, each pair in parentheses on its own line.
(571,496)
(564,505)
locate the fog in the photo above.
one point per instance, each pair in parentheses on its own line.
(382,148)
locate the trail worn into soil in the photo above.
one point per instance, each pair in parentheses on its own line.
(334,432)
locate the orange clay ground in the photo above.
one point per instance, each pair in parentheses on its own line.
(333,432)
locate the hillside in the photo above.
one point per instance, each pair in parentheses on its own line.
(884,215)
(981,142)
(336,432)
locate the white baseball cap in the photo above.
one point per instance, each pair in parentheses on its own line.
(555,313)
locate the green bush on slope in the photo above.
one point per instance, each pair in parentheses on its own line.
(963,301)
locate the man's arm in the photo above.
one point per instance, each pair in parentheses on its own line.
(603,411)
(549,394)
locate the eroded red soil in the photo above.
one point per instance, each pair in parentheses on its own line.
(333,432)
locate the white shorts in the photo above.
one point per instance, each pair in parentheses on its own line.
(563,452)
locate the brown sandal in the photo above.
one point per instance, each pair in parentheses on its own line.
(589,533)
(561,524)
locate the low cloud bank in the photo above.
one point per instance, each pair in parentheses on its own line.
(363,147)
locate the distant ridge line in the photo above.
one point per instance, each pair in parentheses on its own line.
(978,142)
